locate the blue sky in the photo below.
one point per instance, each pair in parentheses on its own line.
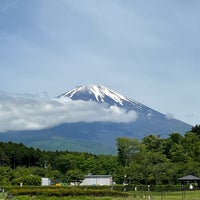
(145,50)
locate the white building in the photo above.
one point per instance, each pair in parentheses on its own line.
(46,182)
(97,180)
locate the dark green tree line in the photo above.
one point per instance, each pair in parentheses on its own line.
(150,160)
(156,160)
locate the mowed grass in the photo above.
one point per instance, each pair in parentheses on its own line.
(187,195)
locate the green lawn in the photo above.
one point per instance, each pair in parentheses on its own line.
(188,195)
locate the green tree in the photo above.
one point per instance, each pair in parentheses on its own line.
(127,147)
(6,175)
(31,180)
(119,174)
(74,176)
(152,142)
(191,145)
(172,147)
(63,163)
(196,129)
(4,159)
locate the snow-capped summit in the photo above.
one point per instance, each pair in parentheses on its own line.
(100,94)
(95,92)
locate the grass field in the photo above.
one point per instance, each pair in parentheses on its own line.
(187,195)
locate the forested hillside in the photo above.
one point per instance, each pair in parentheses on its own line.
(151,160)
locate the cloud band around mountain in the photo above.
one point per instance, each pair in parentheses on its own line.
(30,114)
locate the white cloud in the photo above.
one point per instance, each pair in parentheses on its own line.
(149,115)
(30,114)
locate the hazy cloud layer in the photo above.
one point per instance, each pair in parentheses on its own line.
(30,114)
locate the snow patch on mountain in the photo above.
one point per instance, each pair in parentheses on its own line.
(101,94)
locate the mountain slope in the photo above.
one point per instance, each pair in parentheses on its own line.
(98,136)
(146,115)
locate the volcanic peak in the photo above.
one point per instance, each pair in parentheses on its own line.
(96,93)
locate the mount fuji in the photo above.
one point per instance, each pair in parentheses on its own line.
(98,136)
(101,95)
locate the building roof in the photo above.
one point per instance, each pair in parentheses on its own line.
(98,176)
(189,178)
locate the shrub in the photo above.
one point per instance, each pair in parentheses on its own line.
(31,180)
(64,191)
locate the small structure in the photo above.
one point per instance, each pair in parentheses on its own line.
(189,179)
(97,180)
(46,182)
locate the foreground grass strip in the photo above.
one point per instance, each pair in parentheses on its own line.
(171,196)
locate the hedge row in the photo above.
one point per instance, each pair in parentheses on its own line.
(114,188)
(156,188)
(65,191)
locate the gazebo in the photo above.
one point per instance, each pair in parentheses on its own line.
(189,179)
